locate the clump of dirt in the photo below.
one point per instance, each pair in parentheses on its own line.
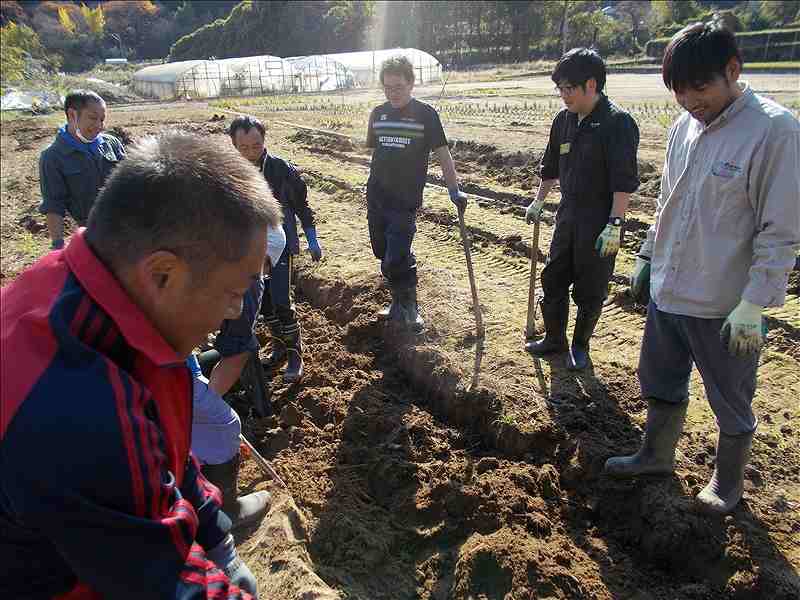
(122,134)
(311,139)
(517,169)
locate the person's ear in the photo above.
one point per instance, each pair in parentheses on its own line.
(72,115)
(591,85)
(160,274)
(733,70)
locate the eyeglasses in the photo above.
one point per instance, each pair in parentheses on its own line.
(394,89)
(565,90)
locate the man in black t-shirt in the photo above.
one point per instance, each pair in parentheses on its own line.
(402,131)
(592,155)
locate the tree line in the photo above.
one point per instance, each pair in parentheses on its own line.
(74,36)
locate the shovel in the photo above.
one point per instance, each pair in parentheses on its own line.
(262,462)
(533,301)
(481,332)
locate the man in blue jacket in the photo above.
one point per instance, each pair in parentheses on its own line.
(289,189)
(100,496)
(74,167)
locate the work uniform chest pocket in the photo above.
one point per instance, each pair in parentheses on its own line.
(75,175)
(725,189)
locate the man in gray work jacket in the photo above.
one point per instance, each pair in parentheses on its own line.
(727,228)
(75,166)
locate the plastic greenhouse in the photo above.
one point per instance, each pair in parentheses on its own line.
(366,65)
(250,75)
(320,73)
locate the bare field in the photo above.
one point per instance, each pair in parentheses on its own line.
(408,482)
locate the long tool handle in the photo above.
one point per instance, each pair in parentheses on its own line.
(262,462)
(530,328)
(473,288)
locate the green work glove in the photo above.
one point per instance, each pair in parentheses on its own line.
(534,211)
(608,241)
(640,280)
(744,329)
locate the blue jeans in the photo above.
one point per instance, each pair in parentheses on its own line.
(391,233)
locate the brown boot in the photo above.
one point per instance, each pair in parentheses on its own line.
(243,509)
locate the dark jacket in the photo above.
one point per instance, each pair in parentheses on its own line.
(290,190)
(70,179)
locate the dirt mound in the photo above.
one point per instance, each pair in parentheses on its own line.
(324,141)
(516,169)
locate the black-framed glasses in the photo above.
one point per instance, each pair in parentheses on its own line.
(394,89)
(565,90)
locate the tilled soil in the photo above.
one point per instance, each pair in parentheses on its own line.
(412,482)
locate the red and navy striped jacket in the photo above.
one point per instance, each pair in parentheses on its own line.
(99,494)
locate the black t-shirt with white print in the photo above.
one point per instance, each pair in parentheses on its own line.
(403,139)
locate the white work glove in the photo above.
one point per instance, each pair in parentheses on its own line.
(744,328)
(534,211)
(224,556)
(609,240)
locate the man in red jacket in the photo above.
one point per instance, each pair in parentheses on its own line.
(100,496)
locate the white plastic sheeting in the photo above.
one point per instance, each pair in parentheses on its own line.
(15,99)
(169,80)
(253,75)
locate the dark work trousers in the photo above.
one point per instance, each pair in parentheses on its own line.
(391,233)
(574,261)
(276,299)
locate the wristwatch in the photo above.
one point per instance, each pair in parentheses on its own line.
(616,221)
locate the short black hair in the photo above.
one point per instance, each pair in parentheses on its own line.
(246,123)
(78,99)
(697,54)
(398,65)
(183,193)
(578,66)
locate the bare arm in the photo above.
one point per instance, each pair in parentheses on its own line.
(448,167)
(621,201)
(227,372)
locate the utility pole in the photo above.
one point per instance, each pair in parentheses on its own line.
(564,27)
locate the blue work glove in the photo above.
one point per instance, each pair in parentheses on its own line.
(458,198)
(224,556)
(313,244)
(57,244)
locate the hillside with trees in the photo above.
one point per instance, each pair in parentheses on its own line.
(72,36)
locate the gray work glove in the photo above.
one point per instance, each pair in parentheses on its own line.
(224,556)
(640,281)
(534,211)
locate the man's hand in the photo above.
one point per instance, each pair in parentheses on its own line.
(534,211)
(640,280)
(609,240)
(458,198)
(57,244)
(313,244)
(224,556)
(744,329)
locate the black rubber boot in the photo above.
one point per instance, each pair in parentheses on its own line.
(585,322)
(657,454)
(240,510)
(405,312)
(278,356)
(386,311)
(726,487)
(294,351)
(555,318)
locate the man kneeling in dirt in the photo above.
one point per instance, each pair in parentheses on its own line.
(247,134)
(727,227)
(402,131)
(74,167)
(592,155)
(100,495)
(215,425)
